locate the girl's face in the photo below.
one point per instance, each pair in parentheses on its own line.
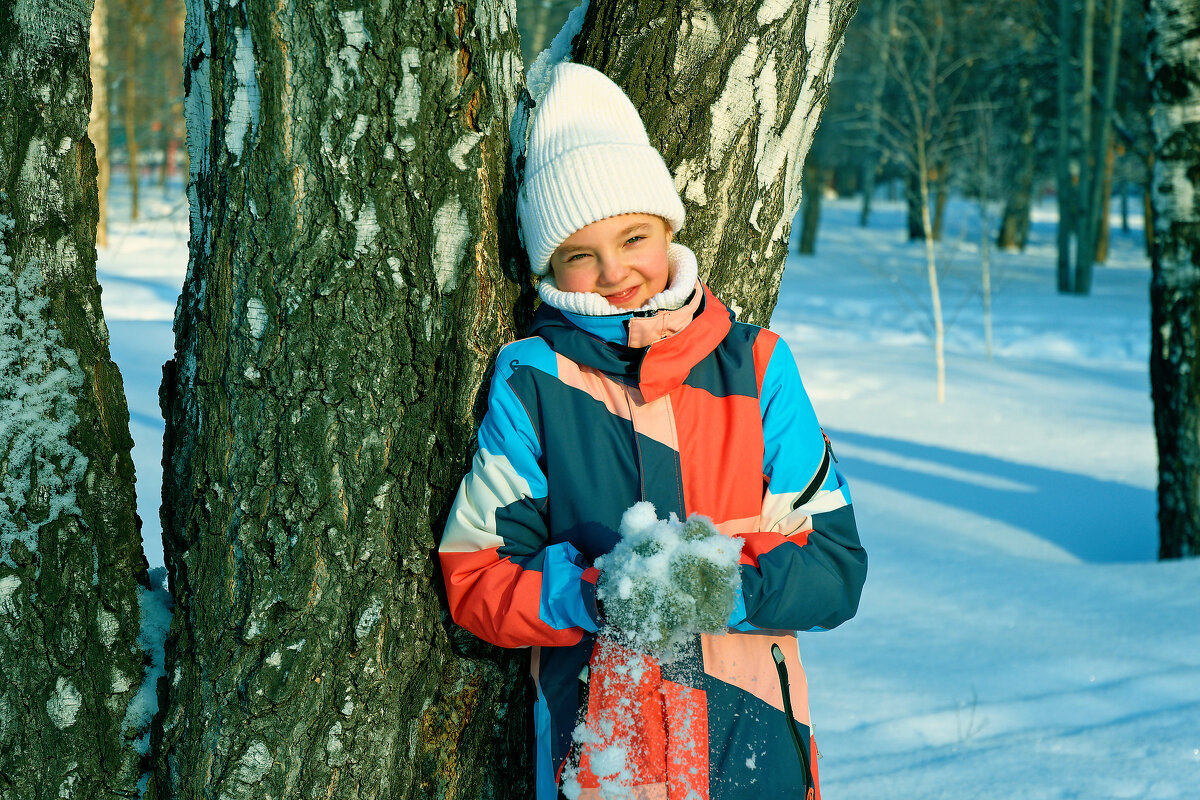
(623,258)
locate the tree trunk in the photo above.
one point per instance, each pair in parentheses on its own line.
(912,194)
(941,197)
(881,37)
(1014,224)
(130,121)
(99,118)
(1086,217)
(1174,56)
(70,553)
(1099,171)
(1065,188)
(1104,232)
(810,219)
(731,94)
(348,284)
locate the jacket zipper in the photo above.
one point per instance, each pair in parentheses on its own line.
(781,669)
(817,480)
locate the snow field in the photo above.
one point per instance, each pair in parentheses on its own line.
(1016,636)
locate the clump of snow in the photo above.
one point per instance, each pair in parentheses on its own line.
(667,580)
(156,606)
(39,380)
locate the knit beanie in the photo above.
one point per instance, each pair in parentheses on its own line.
(588,158)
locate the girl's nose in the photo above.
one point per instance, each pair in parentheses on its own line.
(613,269)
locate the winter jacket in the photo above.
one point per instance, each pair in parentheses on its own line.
(694,412)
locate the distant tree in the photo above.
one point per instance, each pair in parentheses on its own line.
(75,694)
(1174,71)
(100,119)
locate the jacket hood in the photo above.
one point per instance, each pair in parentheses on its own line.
(651,351)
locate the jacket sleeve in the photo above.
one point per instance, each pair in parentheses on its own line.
(804,568)
(505,582)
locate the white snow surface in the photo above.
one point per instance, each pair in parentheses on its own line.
(1016,636)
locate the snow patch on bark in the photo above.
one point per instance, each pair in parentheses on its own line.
(155,605)
(40,379)
(243,114)
(451,230)
(8,587)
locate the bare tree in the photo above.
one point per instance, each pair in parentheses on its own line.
(926,129)
(76,693)
(99,120)
(1174,70)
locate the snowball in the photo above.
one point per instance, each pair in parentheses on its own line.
(666,581)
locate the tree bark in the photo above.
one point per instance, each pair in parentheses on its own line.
(1174,52)
(351,274)
(731,95)
(71,565)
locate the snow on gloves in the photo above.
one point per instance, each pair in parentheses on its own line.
(667,580)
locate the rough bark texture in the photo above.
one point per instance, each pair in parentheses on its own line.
(731,94)
(70,552)
(348,283)
(1174,72)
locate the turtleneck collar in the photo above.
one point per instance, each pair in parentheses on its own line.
(681,262)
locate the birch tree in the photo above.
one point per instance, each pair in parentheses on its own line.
(75,691)
(1173,67)
(353,267)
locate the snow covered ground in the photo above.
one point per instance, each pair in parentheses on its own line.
(1016,636)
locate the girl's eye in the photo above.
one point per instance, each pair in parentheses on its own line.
(635,239)
(577,257)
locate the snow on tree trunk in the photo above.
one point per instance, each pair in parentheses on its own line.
(70,551)
(1174,73)
(352,250)
(731,94)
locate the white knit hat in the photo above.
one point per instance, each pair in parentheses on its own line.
(588,159)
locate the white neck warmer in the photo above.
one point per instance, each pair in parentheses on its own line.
(681,262)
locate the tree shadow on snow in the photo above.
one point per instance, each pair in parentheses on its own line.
(1094,520)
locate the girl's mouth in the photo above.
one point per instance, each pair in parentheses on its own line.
(621,297)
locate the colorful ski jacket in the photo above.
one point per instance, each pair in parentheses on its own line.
(696,413)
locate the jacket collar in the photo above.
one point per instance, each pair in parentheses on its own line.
(653,352)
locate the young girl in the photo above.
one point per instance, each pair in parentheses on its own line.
(637,384)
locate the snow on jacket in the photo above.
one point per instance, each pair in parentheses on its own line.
(696,413)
